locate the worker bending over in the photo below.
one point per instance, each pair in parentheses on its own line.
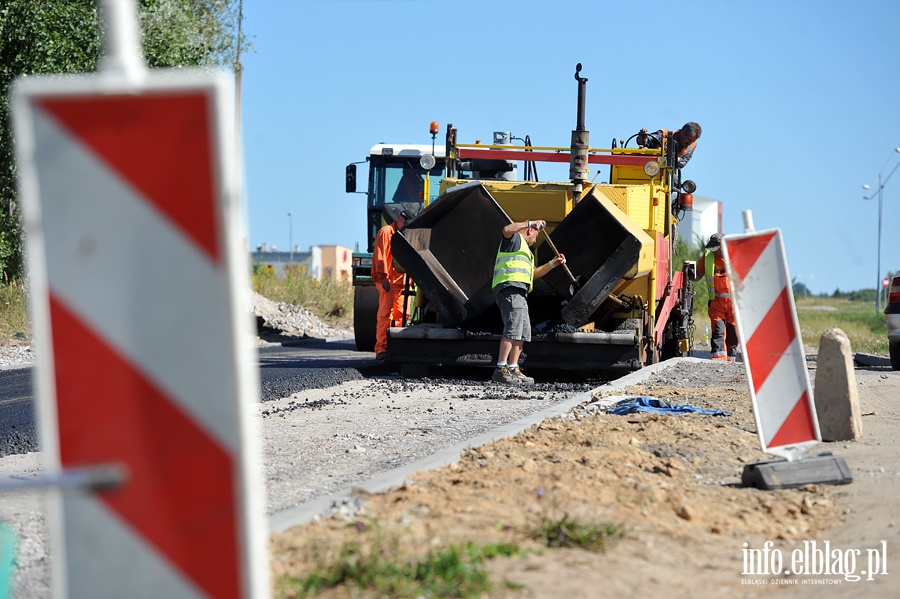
(723,340)
(514,273)
(685,140)
(389,282)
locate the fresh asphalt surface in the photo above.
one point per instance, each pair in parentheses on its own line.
(17,422)
(283,370)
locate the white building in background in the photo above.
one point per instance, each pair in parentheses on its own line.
(331,261)
(704,220)
(320,261)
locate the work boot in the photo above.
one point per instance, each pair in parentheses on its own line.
(503,375)
(520,377)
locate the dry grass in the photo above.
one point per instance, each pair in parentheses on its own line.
(14,311)
(330,300)
(864,326)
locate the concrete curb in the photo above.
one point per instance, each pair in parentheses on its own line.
(871,360)
(309,511)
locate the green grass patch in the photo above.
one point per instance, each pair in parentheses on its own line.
(14,310)
(865,328)
(330,300)
(379,568)
(567,532)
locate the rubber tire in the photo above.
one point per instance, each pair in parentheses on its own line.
(895,356)
(365,316)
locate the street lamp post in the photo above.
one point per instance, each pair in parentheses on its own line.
(291,238)
(880,203)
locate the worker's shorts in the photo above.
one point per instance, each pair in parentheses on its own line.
(514,309)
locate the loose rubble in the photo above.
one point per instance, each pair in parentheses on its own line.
(276,320)
(16,356)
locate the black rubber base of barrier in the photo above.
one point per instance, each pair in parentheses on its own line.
(823,469)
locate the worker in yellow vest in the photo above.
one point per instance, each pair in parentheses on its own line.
(514,274)
(723,339)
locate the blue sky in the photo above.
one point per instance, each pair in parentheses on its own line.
(799,103)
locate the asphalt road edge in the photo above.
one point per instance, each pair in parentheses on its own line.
(323,506)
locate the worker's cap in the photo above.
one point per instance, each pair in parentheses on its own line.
(715,242)
(394,211)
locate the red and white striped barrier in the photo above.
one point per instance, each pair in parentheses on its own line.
(771,343)
(139,279)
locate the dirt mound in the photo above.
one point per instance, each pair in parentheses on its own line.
(672,483)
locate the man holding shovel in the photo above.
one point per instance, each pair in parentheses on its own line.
(514,273)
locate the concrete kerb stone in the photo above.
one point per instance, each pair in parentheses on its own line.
(837,397)
(326,505)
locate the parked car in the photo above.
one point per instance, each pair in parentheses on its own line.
(892,318)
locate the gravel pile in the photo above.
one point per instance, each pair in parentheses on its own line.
(16,356)
(290,320)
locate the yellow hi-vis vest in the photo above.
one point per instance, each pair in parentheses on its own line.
(711,275)
(514,266)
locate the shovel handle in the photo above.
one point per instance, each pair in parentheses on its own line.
(553,247)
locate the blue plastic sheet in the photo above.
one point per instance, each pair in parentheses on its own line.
(657,406)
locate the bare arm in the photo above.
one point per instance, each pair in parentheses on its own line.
(701,268)
(513,228)
(543,269)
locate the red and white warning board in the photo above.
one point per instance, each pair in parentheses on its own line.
(138,270)
(771,343)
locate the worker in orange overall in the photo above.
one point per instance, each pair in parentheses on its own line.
(723,338)
(389,282)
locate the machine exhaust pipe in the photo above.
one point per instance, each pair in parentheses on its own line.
(578,161)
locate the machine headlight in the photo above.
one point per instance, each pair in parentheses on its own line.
(651,169)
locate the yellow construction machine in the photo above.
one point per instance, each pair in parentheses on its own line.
(618,305)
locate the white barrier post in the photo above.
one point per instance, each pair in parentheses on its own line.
(774,355)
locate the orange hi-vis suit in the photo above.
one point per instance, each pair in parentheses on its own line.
(723,340)
(390,303)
